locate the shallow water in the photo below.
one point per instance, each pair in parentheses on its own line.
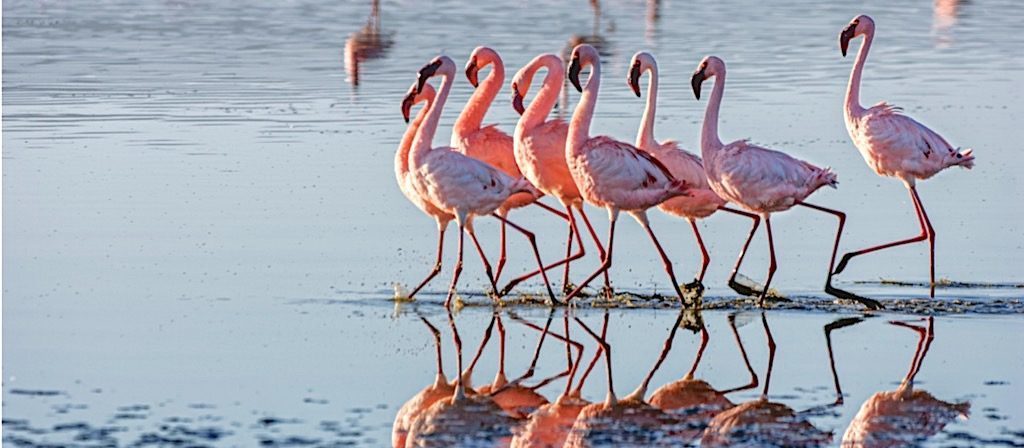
(201,224)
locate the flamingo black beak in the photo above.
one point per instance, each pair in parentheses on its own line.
(471,72)
(407,103)
(846,35)
(425,73)
(517,99)
(634,78)
(697,80)
(574,72)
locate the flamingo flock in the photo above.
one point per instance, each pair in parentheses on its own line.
(487,172)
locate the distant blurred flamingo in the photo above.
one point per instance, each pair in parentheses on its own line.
(488,143)
(894,144)
(539,149)
(761,180)
(457,184)
(683,165)
(612,174)
(369,42)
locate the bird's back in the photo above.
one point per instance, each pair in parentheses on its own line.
(613,173)
(540,156)
(761,179)
(896,145)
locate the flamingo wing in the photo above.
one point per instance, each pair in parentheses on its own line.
(620,165)
(455,181)
(683,165)
(762,178)
(492,146)
(902,144)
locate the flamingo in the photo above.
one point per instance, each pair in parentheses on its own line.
(613,174)
(459,185)
(488,143)
(441,217)
(370,42)
(761,180)
(904,416)
(539,149)
(894,144)
(683,165)
(761,422)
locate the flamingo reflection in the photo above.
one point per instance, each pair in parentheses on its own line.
(694,401)
(761,422)
(370,42)
(630,421)
(905,416)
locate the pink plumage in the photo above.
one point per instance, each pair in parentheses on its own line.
(613,174)
(893,144)
(761,180)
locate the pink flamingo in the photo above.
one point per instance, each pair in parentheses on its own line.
(894,144)
(683,165)
(613,174)
(459,185)
(761,180)
(488,143)
(404,181)
(540,152)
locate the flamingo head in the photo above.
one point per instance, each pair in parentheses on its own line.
(480,58)
(709,66)
(517,99)
(442,64)
(860,25)
(583,54)
(642,60)
(411,98)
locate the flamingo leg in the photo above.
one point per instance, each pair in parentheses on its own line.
(536,253)
(483,259)
(460,386)
(772,265)
(437,343)
(771,351)
(664,258)
(698,282)
(641,391)
(736,286)
(572,229)
(437,264)
(606,262)
(829,328)
(593,361)
(746,360)
(871,304)
(480,350)
(502,256)
(533,363)
(456,272)
(700,352)
(607,349)
(927,232)
(927,334)
(501,348)
(600,251)
(569,345)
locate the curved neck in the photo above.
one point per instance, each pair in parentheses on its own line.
(853,88)
(539,109)
(425,135)
(476,108)
(579,127)
(645,136)
(709,134)
(402,156)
